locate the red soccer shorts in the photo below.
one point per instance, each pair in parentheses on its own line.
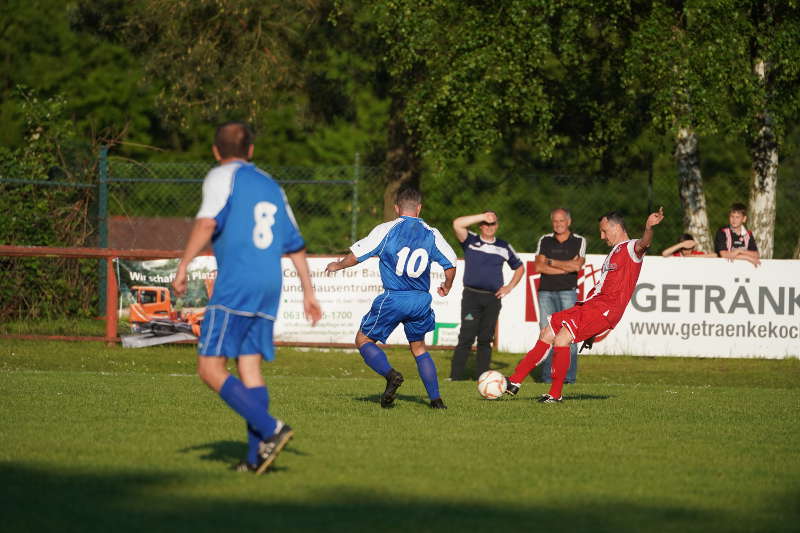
(582,321)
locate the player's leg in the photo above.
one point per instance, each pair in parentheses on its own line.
(531,360)
(561,344)
(486,329)
(377,325)
(420,321)
(470,325)
(427,372)
(548,304)
(264,443)
(567,300)
(253,380)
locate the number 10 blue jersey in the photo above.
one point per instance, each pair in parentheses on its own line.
(405,248)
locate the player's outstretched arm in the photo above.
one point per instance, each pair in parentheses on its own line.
(202,230)
(310,303)
(447,284)
(345,262)
(647,238)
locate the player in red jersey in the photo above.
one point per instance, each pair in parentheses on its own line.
(601,310)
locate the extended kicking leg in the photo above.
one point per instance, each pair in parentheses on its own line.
(532,359)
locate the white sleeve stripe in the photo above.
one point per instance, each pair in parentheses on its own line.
(582,252)
(539,245)
(631,246)
(373,240)
(289,209)
(442,245)
(217,188)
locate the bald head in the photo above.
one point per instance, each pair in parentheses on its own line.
(233,140)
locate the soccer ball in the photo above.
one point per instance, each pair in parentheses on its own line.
(491,384)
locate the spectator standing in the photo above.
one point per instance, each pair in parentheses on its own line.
(559,257)
(734,241)
(484,255)
(685,247)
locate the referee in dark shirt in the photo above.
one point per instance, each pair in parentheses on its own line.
(559,257)
(484,256)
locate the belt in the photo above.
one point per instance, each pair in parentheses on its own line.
(482,291)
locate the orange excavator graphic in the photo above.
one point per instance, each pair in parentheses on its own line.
(152,315)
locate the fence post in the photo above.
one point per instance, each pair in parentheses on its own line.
(111,302)
(354,201)
(102,223)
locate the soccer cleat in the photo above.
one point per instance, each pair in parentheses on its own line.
(244,466)
(269,449)
(438,404)
(546,398)
(393,381)
(511,388)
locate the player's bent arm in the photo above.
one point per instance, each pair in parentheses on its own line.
(345,262)
(644,243)
(447,284)
(310,303)
(200,236)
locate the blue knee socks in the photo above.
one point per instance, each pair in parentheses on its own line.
(375,358)
(244,402)
(427,371)
(260,395)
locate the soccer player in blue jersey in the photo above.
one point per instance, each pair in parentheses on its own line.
(246,217)
(405,248)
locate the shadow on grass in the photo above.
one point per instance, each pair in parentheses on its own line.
(577,397)
(376,398)
(49,500)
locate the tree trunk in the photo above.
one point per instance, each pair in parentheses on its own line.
(402,162)
(764,152)
(690,188)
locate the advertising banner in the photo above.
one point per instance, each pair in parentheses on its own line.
(683,306)
(345,298)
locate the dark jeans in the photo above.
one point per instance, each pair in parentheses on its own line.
(479,312)
(551,302)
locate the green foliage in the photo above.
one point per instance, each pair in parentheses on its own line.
(46,215)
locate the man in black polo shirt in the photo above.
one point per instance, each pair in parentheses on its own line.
(559,257)
(484,256)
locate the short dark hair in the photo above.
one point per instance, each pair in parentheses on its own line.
(738,208)
(408,199)
(686,237)
(615,217)
(233,139)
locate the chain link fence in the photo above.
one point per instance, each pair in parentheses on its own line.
(132,204)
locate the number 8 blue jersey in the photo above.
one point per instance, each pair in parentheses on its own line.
(255,227)
(405,248)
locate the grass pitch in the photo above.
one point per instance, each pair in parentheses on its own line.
(94,438)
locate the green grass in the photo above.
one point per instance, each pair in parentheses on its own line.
(96,438)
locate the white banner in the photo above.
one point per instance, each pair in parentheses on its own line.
(346,297)
(685,307)
(681,306)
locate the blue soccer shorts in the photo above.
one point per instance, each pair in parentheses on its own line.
(411,308)
(231,334)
